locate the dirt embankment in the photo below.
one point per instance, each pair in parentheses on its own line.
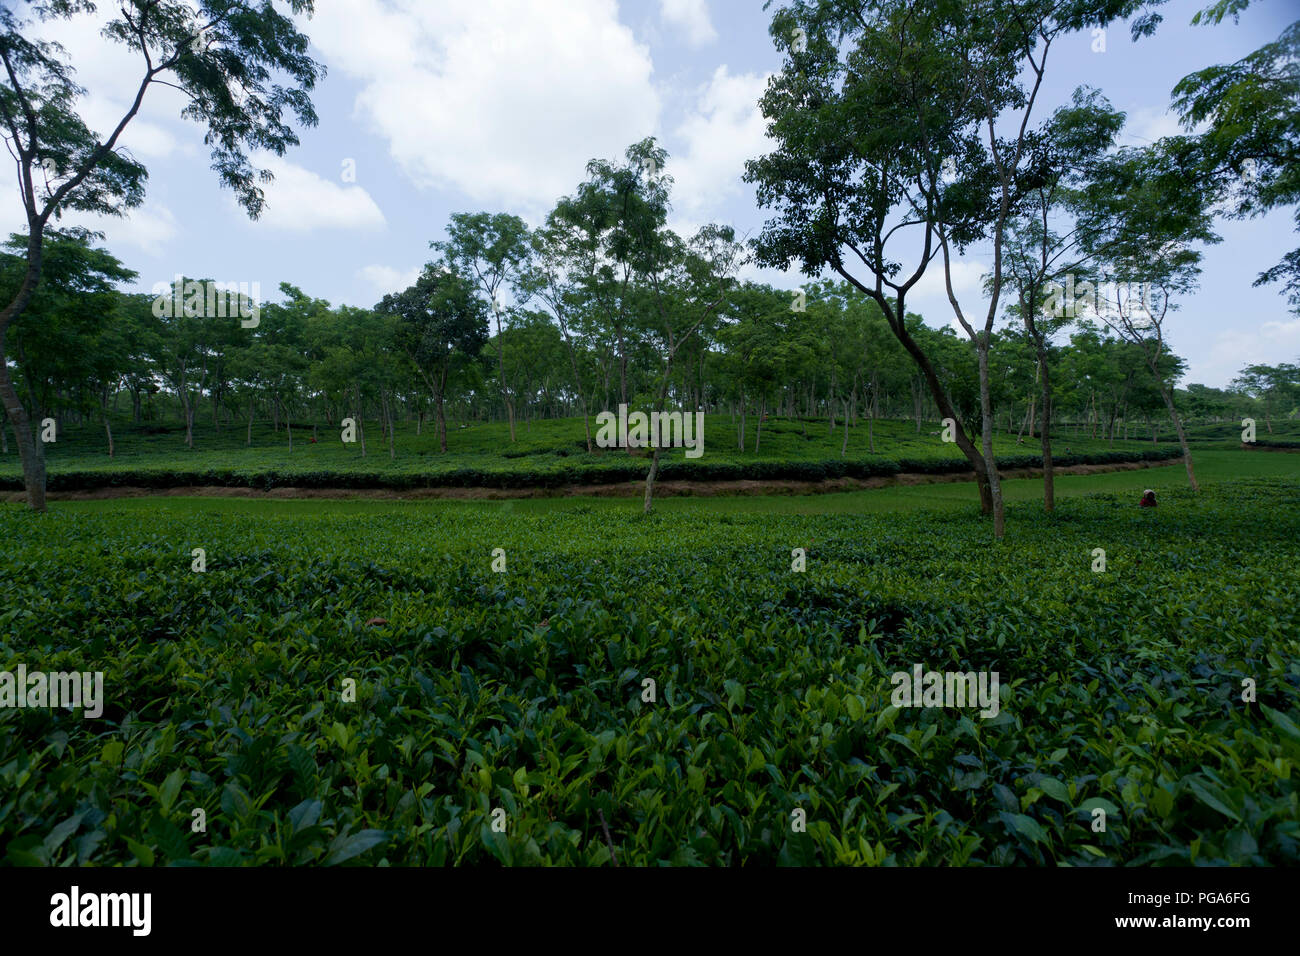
(1251,446)
(621,489)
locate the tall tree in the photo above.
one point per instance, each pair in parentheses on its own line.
(557,248)
(223,54)
(441,323)
(892,118)
(58,341)
(610,222)
(494,251)
(1039,254)
(1145,213)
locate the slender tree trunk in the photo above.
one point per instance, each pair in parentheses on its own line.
(361,426)
(108,427)
(986,434)
(501,366)
(758,429)
(30,452)
(442,415)
(942,402)
(844,445)
(188,410)
(654,457)
(830,405)
(741,443)
(577,384)
(1045,432)
(650,479)
(1182,437)
(249,439)
(392,429)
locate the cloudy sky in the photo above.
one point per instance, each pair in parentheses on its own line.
(497,105)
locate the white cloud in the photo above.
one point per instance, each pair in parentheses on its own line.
(505,100)
(149,227)
(1146,125)
(1234,349)
(302,201)
(386,279)
(1282,334)
(724,130)
(692,18)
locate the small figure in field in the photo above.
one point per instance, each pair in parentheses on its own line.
(1148,499)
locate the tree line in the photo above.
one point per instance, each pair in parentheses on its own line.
(87,351)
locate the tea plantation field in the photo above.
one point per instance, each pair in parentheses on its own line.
(505,716)
(548,453)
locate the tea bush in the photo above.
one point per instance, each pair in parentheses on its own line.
(522,691)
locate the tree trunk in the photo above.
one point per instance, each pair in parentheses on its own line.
(577,384)
(758,429)
(844,445)
(830,405)
(31,452)
(650,479)
(741,442)
(249,439)
(187,408)
(1045,432)
(941,400)
(108,428)
(392,429)
(440,400)
(654,458)
(986,433)
(1182,437)
(361,427)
